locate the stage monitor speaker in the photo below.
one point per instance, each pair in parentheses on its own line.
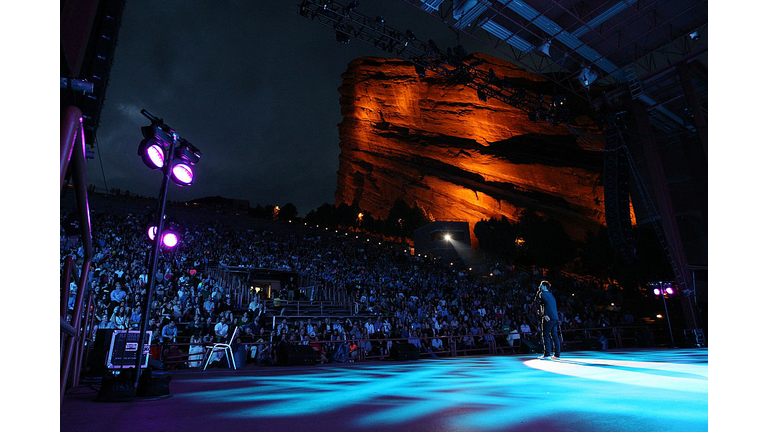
(404,351)
(124,349)
(296,355)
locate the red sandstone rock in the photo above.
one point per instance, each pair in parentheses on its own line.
(435,144)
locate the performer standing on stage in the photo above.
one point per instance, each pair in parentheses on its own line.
(550,323)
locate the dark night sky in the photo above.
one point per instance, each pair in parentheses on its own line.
(251,83)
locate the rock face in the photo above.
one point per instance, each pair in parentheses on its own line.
(436,144)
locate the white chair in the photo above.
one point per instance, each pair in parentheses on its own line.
(226,347)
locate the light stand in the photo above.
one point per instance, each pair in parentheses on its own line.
(662,292)
(155,249)
(167,144)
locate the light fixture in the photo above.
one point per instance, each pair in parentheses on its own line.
(182,174)
(587,76)
(169,239)
(342,37)
(152,153)
(544,48)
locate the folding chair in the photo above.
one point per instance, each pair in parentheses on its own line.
(226,347)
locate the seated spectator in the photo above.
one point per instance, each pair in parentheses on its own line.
(221,330)
(169,332)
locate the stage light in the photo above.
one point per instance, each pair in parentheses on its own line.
(657,291)
(409,36)
(587,76)
(448,237)
(182,174)
(669,290)
(152,153)
(187,152)
(342,37)
(170,237)
(544,48)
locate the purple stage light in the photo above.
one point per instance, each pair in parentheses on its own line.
(182,174)
(155,155)
(170,239)
(669,290)
(657,291)
(152,152)
(151,231)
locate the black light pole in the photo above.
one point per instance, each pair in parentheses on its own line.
(662,292)
(155,245)
(664,300)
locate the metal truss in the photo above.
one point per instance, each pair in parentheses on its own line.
(454,64)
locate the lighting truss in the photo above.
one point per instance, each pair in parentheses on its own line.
(455,64)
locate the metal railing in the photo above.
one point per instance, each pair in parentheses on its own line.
(176,354)
(72,163)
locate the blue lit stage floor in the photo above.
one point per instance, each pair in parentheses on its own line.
(619,390)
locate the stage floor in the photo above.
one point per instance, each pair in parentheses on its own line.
(618,390)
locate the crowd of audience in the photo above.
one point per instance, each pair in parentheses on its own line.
(391,294)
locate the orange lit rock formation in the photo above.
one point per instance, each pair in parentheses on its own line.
(435,144)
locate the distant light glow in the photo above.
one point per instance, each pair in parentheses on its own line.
(657,291)
(669,290)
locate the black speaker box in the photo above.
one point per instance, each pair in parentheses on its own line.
(404,351)
(296,355)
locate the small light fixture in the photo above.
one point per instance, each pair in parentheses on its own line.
(544,48)
(587,76)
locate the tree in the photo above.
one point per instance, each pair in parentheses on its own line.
(547,244)
(287,212)
(497,238)
(404,219)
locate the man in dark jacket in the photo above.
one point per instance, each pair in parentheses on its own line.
(549,321)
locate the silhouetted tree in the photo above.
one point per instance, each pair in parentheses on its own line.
(546,243)
(496,238)
(323,215)
(404,219)
(287,212)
